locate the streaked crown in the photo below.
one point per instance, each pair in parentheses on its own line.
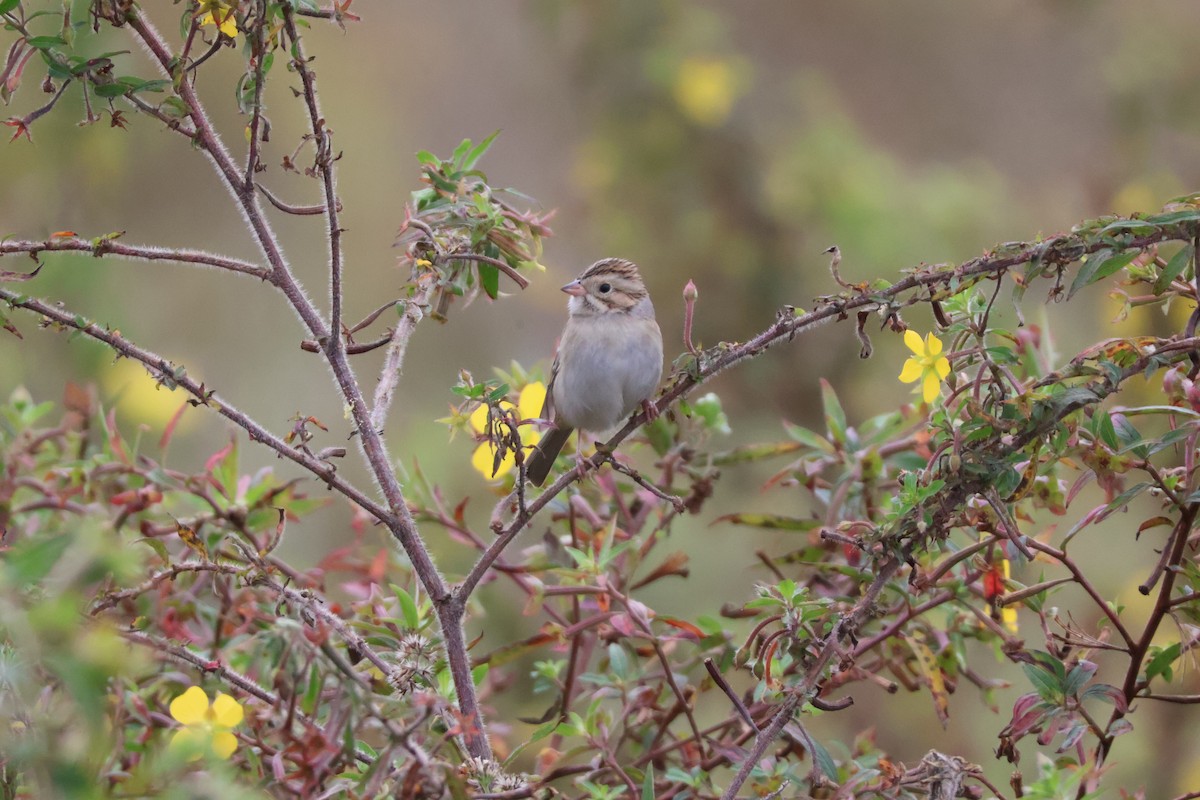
(611,284)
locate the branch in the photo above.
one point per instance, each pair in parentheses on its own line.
(323,161)
(103,246)
(399,521)
(163,371)
(1162,608)
(389,376)
(916,288)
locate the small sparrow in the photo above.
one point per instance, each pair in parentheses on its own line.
(609,359)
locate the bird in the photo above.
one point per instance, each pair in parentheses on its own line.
(609,359)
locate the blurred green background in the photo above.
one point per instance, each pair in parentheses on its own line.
(725,143)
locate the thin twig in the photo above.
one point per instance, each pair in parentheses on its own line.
(724,686)
(300,211)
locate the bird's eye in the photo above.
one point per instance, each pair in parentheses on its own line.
(605,288)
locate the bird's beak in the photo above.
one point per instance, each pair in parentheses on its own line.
(575,288)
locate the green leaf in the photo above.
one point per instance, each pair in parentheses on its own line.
(158,547)
(1103,429)
(1173,269)
(648,783)
(809,438)
(1175,217)
(1122,500)
(708,409)
(1007,481)
(110,90)
(478,150)
(139,85)
(1098,266)
(479,673)
(489,280)
(1048,686)
(56,69)
(1160,663)
(30,563)
(44,42)
(1079,675)
(312,692)
(458,157)
(7,5)
(754,452)
(408,607)
(1129,436)
(1170,438)
(1136,226)
(771,521)
(835,416)
(618,661)
(822,760)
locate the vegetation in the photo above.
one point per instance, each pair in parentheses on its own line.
(154,642)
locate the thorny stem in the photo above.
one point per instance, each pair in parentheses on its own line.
(324,160)
(102,246)
(260,46)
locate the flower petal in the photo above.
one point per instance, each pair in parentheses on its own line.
(912,371)
(913,341)
(478,418)
(227,712)
(224,743)
(483,458)
(532,398)
(931,387)
(942,367)
(190,707)
(933,345)
(189,741)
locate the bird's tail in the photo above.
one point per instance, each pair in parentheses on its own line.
(542,459)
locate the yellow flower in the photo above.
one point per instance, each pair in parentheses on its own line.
(220,14)
(926,364)
(133,391)
(529,406)
(705,89)
(1008,613)
(206,726)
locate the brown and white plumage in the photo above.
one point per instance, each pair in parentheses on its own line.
(609,358)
